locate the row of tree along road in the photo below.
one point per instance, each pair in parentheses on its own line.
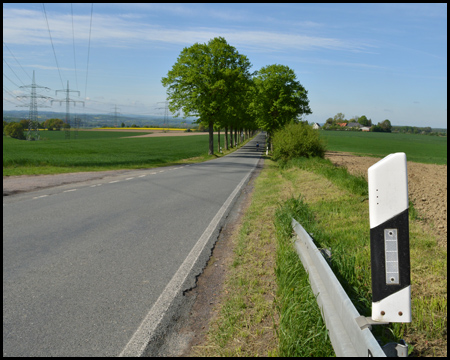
(213,81)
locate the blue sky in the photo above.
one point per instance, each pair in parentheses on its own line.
(385,61)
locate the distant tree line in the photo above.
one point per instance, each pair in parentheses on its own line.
(356,123)
(419,130)
(338,122)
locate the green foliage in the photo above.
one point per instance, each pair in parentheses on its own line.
(364,121)
(384,126)
(56,124)
(339,117)
(297,140)
(24,123)
(15,130)
(206,81)
(278,98)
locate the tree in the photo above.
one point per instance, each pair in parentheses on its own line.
(56,124)
(339,118)
(364,121)
(15,130)
(24,123)
(278,98)
(386,125)
(203,80)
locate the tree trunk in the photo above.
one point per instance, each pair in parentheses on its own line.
(226,137)
(211,138)
(231,136)
(218,140)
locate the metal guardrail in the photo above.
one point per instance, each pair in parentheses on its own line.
(349,331)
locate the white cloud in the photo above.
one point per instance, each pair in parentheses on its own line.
(29,27)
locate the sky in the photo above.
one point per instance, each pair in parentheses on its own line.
(384,61)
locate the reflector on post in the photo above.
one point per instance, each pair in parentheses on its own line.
(389,239)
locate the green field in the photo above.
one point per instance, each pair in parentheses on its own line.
(418,148)
(96,151)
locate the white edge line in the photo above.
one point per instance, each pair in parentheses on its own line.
(141,338)
(38,197)
(70,190)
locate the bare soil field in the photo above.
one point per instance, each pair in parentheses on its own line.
(427,187)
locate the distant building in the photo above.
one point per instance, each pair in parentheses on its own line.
(316,126)
(365,128)
(342,124)
(354,125)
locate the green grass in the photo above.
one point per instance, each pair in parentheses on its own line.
(87,134)
(418,148)
(301,330)
(268,308)
(96,151)
(339,220)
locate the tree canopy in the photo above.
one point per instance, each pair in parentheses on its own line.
(278,98)
(213,82)
(206,80)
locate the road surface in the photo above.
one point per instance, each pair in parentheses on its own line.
(95,268)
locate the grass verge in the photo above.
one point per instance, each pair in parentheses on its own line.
(268,308)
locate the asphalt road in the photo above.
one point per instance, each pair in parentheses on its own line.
(90,269)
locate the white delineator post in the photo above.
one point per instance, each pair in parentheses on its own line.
(389,239)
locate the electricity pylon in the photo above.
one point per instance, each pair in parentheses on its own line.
(33,129)
(115,115)
(166,112)
(68,100)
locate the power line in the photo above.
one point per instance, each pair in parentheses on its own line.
(17,61)
(12,71)
(89,50)
(51,40)
(73,38)
(11,80)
